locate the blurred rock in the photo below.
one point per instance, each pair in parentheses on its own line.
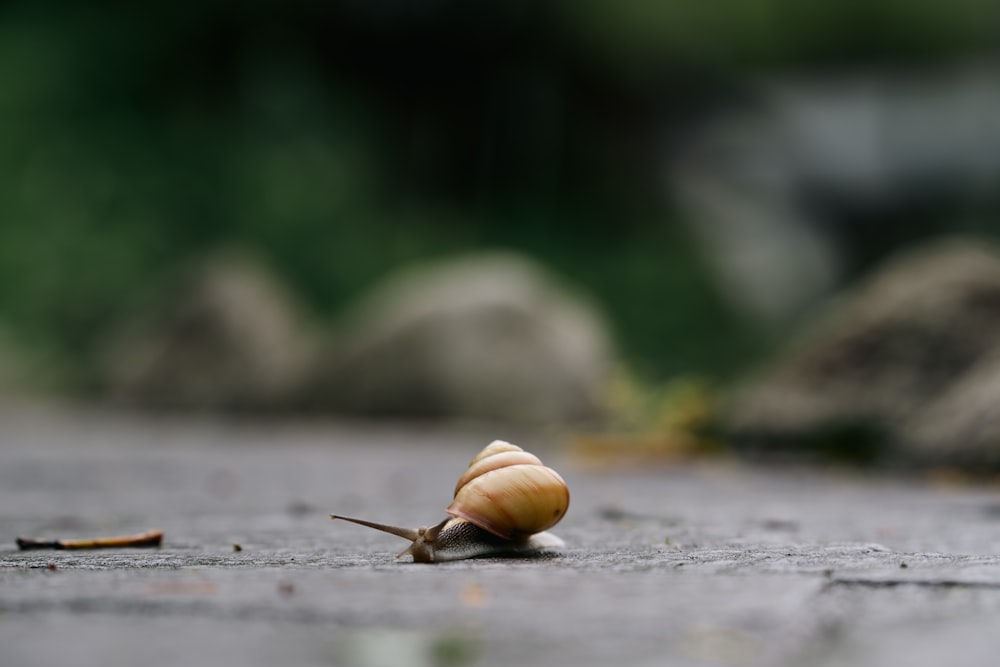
(228,336)
(808,180)
(486,336)
(10,370)
(906,364)
(962,426)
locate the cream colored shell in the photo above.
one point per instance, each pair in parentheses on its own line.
(508,492)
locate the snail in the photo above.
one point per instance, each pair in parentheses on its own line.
(504,503)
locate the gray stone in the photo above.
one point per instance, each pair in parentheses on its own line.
(24,373)
(10,371)
(488,336)
(909,352)
(228,335)
(962,425)
(789,188)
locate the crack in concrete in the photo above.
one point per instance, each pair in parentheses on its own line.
(844,582)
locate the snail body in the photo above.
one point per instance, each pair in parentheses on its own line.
(504,504)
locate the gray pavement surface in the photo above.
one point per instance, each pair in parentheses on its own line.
(709,564)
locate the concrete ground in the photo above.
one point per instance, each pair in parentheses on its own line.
(710,564)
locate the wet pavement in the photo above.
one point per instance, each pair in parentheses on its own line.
(699,564)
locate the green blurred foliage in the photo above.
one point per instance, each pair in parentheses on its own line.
(643,37)
(340,139)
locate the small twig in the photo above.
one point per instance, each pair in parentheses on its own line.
(153,538)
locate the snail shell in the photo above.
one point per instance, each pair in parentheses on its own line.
(504,503)
(508,492)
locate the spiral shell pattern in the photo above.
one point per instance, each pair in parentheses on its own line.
(508,492)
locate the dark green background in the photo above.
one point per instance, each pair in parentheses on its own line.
(340,139)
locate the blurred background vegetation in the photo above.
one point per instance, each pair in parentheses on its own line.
(341,138)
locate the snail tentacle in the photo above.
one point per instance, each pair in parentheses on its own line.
(405,533)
